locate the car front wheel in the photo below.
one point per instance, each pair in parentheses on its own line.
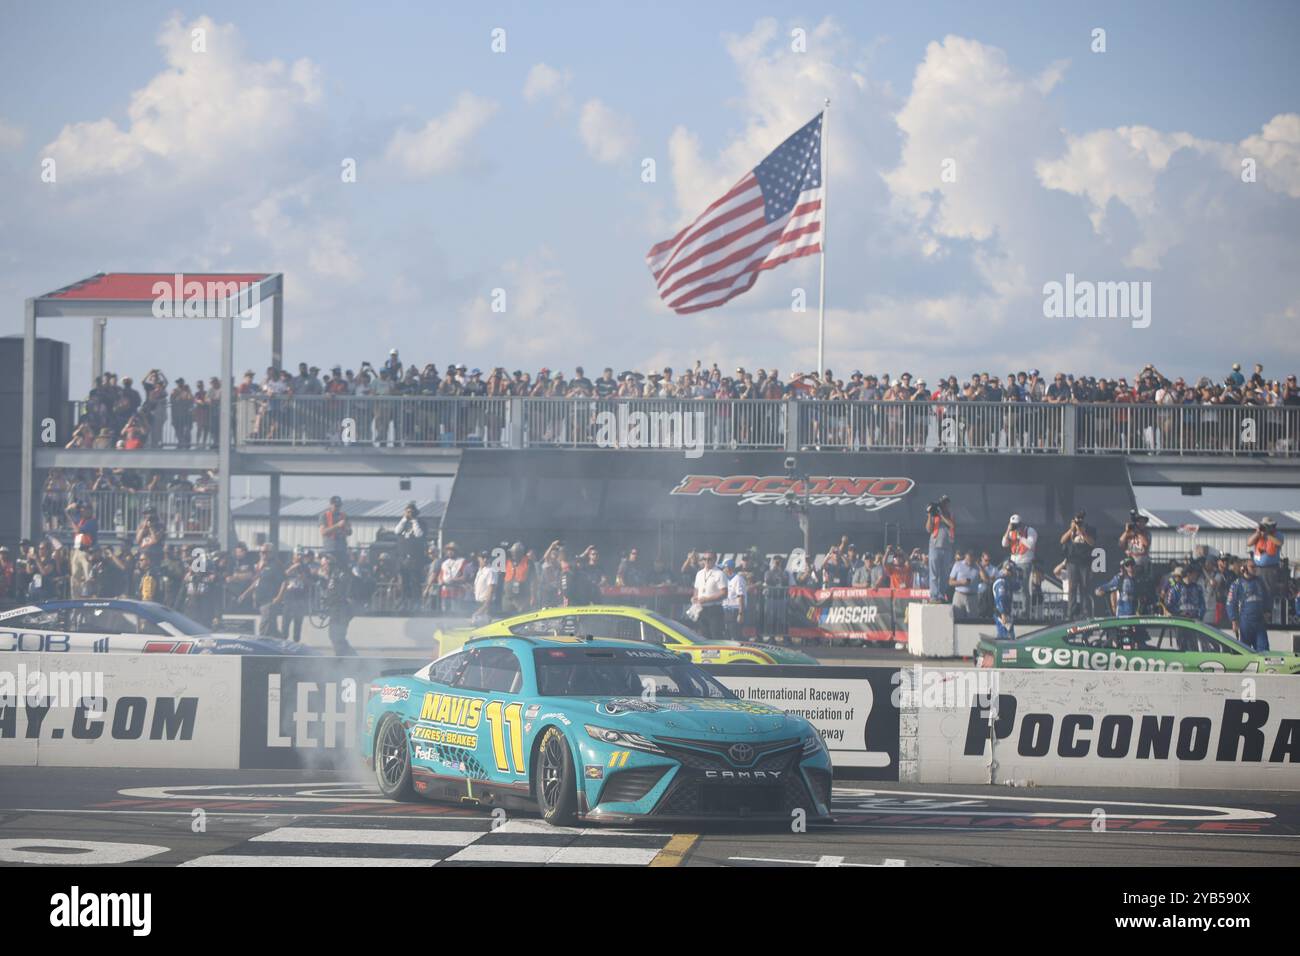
(555,779)
(393,759)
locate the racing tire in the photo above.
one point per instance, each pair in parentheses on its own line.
(555,779)
(392,758)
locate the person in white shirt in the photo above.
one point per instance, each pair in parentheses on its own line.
(965,581)
(1021,541)
(485,583)
(710,592)
(733,605)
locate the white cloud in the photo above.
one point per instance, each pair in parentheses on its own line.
(545,82)
(1277,149)
(443,143)
(11,136)
(202,98)
(539,319)
(608,136)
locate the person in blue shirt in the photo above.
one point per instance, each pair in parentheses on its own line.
(1125,588)
(1004,587)
(1189,600)
(1248,608)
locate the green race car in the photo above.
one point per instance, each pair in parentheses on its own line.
(1132,644)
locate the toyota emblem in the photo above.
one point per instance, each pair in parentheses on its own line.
(740,753)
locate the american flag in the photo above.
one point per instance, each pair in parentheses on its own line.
(771,216)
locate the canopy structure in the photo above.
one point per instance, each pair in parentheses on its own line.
(226,297)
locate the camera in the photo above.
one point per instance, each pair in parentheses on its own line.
(791,463)
(932,508)
(1080,516)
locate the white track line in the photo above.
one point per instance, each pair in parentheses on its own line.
(263,861)
(365,835)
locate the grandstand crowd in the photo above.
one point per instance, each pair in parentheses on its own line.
(118,414)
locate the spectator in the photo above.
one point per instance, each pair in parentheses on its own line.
(775,596)
(335,580)
(1004,586)
(733,605)
(1248,608)
(412,548)
(335,530)
(965,582)
(1265,545)
(630,574)
(1135,542)
(710,590)
(1078,541)
(943,534)
(518,580)
(1124,587)
(293,599)
(1022,542)
(264,589)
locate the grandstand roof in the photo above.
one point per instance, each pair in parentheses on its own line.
(131,294)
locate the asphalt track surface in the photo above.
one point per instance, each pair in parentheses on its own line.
(50,816)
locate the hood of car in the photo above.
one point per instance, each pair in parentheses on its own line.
(682,716)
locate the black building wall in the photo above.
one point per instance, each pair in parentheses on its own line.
(616,499)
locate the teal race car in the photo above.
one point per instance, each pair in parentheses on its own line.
(594,729)
(1133,644)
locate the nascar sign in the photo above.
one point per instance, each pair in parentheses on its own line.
(873,614)
(870,494)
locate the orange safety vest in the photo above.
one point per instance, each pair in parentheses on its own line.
(517,572)
(1267,546)
(1019,544)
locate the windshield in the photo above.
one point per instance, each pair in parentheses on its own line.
(621,672)
(186,625)
(693,637)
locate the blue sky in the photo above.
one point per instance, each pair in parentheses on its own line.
(521,171)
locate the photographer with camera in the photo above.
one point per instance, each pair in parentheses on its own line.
(335,528)
(1078,541)
(411,549)
(1136,545)
(1022,542)
(335,583)
(1265,546)
(943,534)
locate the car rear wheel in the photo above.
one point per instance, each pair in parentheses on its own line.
(555,779)
(393,759)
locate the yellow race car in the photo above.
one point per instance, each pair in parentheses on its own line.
(627,623)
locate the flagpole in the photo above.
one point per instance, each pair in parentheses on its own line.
(821,292)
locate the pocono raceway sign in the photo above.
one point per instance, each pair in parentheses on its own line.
(912,724)
(870,494)
(1083,728)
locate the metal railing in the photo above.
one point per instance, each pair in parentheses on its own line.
(926,426)
(652,423)
(183,514)
(380,421)
(183,426)
(1234,430)
(418,421)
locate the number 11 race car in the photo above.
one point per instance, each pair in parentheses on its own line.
(593,729)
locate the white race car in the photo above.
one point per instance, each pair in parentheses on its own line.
(121,626)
